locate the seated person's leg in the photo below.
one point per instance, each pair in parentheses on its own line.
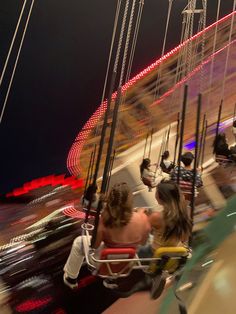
(74,262)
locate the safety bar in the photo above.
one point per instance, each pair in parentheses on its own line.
(136,259)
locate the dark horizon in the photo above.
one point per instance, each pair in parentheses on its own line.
(60,75)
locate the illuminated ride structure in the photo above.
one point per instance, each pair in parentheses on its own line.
(150,103)
(153,98)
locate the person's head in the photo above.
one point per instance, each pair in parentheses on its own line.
(145,164)
(118,207)
(234,124)
(90,192)
(166,155)
(220,139)
(187,159)
(176,218)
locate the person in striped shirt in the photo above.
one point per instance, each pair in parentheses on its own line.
(186,175)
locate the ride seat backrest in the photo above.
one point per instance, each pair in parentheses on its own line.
(146,182)
(222,160)
(116,268)
(186,187)
(171,259)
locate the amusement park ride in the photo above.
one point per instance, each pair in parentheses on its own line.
(181,102)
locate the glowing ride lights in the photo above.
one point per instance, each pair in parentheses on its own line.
(52,180)
(73,163)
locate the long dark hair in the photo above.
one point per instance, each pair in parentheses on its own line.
(144,165)
(165,155)
(177,221)
(118,206)
(219,141)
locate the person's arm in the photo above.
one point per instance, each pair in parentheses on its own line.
(155,220)
(173,174)
(144,213)
(148,174)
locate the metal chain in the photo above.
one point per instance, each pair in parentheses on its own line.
(131,58)
(121,36)
(127,42)
(109,59)
(228,50)
(16,62)
(213,54)
(204,5)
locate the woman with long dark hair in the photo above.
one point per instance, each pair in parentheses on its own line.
(220,145)
(172,226)
(147,175)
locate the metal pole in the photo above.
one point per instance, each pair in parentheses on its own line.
(145,146)
(102,139)
(167,139)
(177,137)
(204,144)
(196,153)
(182,128)
(107,162)
(150,145)
(219,118)
(110,170)
(92,164)
(201,141)
(160,152)
(88,173)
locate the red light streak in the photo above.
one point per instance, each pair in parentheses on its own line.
(33,304)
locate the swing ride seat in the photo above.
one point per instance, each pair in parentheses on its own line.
(186,187)
(113,267)
(124,272)
(147,182)
(171,261)
(223,160)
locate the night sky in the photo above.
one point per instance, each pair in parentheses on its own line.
(60,75)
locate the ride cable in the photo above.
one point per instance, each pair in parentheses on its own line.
(134,41)
(109,99)
(158,80)
(204,145)
(110,170)
(89,171)
(167,139)
(12,43)
(145,146)
(182,129)
(177,137)
(219,118)
(110,54)
(150,144)
(92,165)
(161,151)
(192,204)
(201,140)
(17,57)
(202,82)
(118,102)
(213,53)
(228,51)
